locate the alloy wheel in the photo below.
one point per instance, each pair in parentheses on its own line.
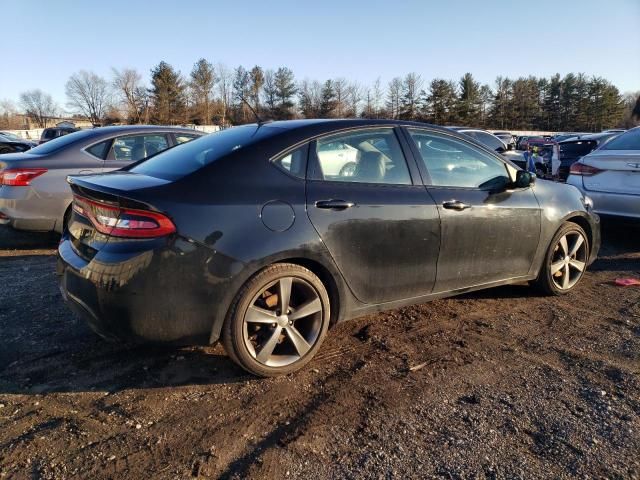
(569,260)
(283,322)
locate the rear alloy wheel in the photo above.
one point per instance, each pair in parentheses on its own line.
(278,320)
(566,260)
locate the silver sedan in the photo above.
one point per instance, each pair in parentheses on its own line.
(34,194)
(610,176)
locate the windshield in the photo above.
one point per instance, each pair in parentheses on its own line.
(189,157)
(627,141)
(61,142)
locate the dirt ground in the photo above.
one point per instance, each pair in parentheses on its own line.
(499,384)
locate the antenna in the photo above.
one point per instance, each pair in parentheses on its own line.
(260,121)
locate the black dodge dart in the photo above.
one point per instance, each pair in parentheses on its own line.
(263,236)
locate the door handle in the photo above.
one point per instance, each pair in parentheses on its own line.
(334,204)
(455,205)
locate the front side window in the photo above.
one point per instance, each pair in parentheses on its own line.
(132,148)
(364,156)
(454,163)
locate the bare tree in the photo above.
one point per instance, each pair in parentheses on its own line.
(394,94)
(39,106)
(225,89)
(376,97)
(89,94)
(127,84)
(355,95)
(341,89)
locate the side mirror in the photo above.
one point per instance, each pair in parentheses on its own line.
(510,146)
(524,179)
(500,150)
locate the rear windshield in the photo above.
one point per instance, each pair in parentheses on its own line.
(61,142)
(188,157)
(627,141)
(578,148)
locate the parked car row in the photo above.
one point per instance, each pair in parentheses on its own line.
(610,175)
(34,194)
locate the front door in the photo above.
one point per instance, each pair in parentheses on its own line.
(380,227)
(489,233)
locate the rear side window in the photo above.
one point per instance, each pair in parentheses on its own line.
(132,148)
(182,138)
(294,162)
(627,141)
(99,150)
(184,159)
(62,142)
(363,156)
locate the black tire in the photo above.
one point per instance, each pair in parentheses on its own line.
(348,169)
(240,335)
(547,280)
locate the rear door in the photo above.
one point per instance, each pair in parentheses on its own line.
(489,233)
(375,217)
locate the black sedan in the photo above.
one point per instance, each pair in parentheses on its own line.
(13,144)
(259,237)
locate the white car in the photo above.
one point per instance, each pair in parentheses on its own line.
(337,159)
(610,176)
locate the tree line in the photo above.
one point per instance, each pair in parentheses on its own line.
(216,94)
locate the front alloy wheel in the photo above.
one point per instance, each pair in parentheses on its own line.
(566,260)
(278,320)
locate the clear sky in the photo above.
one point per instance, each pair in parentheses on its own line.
(43,42)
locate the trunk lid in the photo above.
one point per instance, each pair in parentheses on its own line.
(104,198)
(620,171)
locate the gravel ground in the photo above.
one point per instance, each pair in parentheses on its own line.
(499,384)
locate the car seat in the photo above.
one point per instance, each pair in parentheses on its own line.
(370,168)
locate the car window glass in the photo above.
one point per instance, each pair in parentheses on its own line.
(184,138)
(489,140)
(454,163)
(365,156)
(627,141)
(62,142)
(136,147)
(294,162)
(192,156)
(99,150)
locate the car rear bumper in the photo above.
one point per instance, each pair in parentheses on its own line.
(22,209)
(606,203)
(146,295)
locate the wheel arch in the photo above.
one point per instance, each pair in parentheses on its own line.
(582,222)
(328,280)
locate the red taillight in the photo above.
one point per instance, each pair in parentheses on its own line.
(583,169)
(123,222)
(20,177)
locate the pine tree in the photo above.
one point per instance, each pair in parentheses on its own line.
(469,102)
(285,88)
(167,95)
(328,100)
(202,82)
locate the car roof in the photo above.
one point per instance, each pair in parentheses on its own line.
(319,126)
(591,136)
